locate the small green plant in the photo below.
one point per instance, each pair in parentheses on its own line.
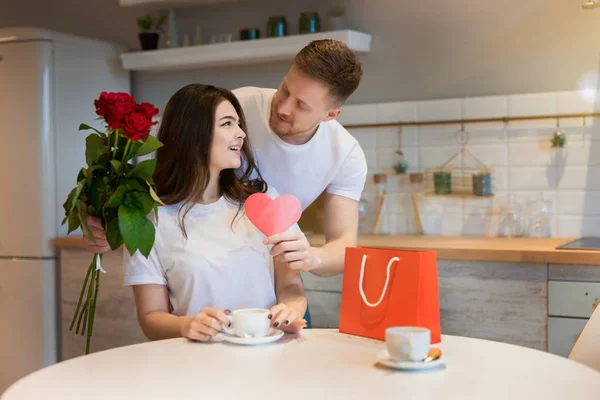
(148,24)
(558,139)
(400,167)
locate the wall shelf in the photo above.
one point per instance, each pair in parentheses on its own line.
(237,52)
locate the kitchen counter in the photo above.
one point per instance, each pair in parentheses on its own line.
(472,248)
(526,250)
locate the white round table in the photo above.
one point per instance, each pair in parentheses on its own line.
(317,363)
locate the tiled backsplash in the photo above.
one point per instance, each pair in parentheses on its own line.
(525,165)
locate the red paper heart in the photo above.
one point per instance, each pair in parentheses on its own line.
(271,216)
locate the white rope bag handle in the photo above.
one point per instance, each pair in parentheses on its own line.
(387,281)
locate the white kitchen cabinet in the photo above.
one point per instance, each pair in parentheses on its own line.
(572,299)
(563,333)
(570,305)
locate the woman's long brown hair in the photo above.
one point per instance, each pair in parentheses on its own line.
(182,165)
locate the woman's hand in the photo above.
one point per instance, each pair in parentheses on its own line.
(286,319)
(204,325)
(97,231)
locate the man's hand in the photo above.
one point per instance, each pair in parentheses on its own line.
(97,231)
(293,249)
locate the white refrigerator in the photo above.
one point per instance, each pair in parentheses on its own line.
(48,82)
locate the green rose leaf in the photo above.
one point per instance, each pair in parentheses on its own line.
(150,144)
(154,195)
(94,148)
(96,195)
(137,230)
(141,200)
(113,234)
(134,185)
(116,165)
(68,204)
(85,127)
(116,198)
(82,214)
(93,168)
(135,148)
(71,202)
(73,219)
(143,170)
(82,174)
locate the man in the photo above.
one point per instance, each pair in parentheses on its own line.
(301,149)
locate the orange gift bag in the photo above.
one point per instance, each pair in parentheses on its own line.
(384,287)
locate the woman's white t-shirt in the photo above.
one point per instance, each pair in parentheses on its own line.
(216,266)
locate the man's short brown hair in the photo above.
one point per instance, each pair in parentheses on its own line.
(333,63)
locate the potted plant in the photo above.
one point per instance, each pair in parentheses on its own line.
(150,30)
(336,18)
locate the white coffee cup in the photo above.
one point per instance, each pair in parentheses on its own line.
(249,322)
(408,343)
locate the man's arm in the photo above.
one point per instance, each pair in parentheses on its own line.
(341,227)
(341,230)
(341,224)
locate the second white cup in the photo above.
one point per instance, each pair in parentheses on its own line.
(408,343)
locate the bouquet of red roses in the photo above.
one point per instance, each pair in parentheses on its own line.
(119,193)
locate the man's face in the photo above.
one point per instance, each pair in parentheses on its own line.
(299,105)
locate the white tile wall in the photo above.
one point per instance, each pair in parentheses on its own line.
(396,112)
(525,165)
(574,103)
(358,114)
(532,104)
(389,137)
(485,107)
(531,178)
(574,202)
(434,110)
(529,154)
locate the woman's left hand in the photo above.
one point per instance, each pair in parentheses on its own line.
(286,319)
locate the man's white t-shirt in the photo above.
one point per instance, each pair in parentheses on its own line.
(216,266)
(332,160)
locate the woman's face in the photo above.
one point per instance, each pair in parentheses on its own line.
(228,139)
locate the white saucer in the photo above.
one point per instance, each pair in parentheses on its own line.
(274,335)
(384,358)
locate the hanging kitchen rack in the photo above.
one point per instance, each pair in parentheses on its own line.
(463,174)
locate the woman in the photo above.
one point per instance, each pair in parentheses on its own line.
(207,256)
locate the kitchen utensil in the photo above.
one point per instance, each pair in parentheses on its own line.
(381,180)
(434,354)
(417,209)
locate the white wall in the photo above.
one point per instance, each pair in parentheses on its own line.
(525,165)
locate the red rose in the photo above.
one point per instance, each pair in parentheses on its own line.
(114,108)
(147,109)
(137,126)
